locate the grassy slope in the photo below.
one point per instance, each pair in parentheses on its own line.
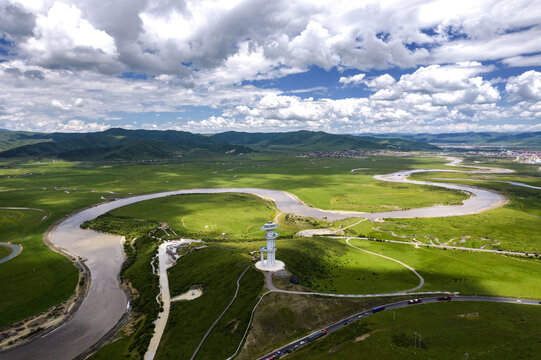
(326,269)
(466,272)
(13,139)
(206,215)
(227,333)
(216,270)
(328,265)
(282,318)
(449,330)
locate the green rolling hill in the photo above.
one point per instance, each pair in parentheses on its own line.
(122,144)
(317,141)
(118,144)
(521,140)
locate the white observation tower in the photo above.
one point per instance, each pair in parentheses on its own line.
(271,264)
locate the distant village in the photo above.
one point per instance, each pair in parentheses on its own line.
(521,156)
(352,154)
(528,157)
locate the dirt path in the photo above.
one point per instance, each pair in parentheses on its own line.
(222,314)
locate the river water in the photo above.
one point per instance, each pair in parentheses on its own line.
(15,250)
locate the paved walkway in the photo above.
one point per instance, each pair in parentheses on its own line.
(165,262)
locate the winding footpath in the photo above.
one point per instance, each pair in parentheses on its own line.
(106,303)
(271,287)
(221,315)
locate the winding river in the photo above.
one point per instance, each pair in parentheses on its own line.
(15,250)
(105,302)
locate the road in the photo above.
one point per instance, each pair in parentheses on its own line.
(299,343)
(106,303)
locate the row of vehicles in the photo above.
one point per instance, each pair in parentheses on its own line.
(317,335)
(295,346)
(440,298)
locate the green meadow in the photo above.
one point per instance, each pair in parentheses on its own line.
(506,228)
(206,216)
(283,318)
(216,271)
(451,330)
(329,265)
(500,229)
(464,271)
(37,278)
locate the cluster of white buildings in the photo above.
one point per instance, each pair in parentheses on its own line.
(532,157)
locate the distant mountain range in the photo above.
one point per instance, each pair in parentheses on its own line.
(122,144)
(112,144)
(515,140)
(316,141)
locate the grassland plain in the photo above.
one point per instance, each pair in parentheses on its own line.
(500,229)
(60,188)
(316,181)
(466,272)
(216,270)
(329,265)
(449,331)
(282,318)
(506,228)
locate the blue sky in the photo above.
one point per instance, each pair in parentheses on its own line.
(251,65)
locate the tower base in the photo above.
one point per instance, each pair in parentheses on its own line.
(262,265)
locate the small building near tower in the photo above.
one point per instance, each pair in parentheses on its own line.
(270,263)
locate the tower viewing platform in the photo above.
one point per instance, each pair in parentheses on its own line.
(269,264)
